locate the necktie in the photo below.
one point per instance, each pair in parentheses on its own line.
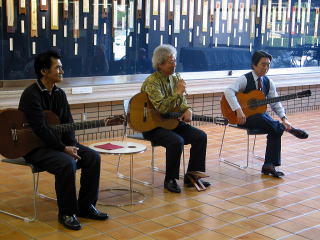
(259,84)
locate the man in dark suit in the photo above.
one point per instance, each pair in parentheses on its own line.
(61,155)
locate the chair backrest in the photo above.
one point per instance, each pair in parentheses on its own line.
(126,106)
(125,109)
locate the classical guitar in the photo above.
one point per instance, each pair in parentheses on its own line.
(143,117)
(17,138)
(254,102)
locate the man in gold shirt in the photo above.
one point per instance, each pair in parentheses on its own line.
(166,93)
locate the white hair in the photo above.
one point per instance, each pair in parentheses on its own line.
(161,54)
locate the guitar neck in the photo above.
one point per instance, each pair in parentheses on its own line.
(195,117)
(275,99)
(202,118)
(69,127)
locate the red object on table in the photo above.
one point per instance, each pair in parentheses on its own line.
(108,146)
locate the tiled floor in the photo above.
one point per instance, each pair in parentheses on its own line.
(241,204)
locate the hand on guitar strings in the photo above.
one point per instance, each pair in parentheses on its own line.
(72,151)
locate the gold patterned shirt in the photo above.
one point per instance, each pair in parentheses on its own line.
(161,90)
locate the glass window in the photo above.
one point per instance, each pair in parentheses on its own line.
(118,37)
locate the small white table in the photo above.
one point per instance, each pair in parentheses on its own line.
(128,148)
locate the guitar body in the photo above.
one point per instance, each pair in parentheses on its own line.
(244,100)
(16,137)
(143,117)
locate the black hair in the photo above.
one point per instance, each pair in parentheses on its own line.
(43,61)
(258,55)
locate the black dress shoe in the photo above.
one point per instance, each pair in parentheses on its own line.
(271,170)
(188,183)
(93,213)
(299,133)
(172,186)
(69,221)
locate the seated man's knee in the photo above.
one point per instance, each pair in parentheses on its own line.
(95,156)
(201,136)
(177,142)
(90,159)
(69,164)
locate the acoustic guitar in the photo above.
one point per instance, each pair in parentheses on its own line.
(142,116)
(254,102)
(17,138)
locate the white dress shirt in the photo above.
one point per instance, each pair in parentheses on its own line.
(240,85)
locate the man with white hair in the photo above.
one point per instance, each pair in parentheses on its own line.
(166,93)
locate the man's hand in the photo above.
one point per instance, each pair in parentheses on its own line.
(72,151)
(286,123)
(186,116)
(181,87)
(240,116)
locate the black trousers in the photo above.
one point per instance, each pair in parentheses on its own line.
(64,167)
(174,140)
(274,129)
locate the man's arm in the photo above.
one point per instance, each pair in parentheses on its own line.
(230,93)
(277,106)
(66,117)
(30,105)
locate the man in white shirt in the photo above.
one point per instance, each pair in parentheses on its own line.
(257,79)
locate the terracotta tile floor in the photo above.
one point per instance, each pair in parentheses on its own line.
(241,204)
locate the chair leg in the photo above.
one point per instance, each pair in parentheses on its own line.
(228,162)
(35,178)
(183,162)
(35,195)
(248,151)
(253,148)
(152,165)
(220,151)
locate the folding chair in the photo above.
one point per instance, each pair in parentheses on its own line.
(249,132)
(139,136)
(35,176)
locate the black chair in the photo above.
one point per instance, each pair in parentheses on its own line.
(249,132)
(35,176)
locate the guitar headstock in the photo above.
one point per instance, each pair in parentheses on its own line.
(115,120)
(220,121)
(306,93)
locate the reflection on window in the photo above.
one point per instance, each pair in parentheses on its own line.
(118,37)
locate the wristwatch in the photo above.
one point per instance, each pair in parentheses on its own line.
(284,117)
